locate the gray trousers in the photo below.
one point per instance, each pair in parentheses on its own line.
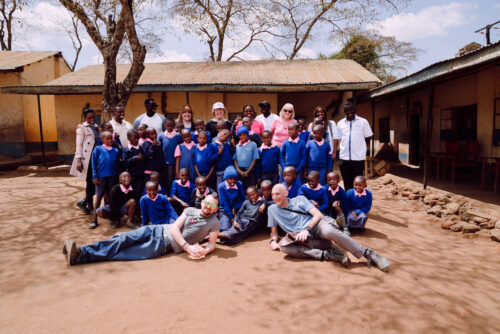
(324,233)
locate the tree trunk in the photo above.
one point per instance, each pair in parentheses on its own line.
(109,92)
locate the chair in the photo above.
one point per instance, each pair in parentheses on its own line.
(490,165)
(460,159)
(437,158)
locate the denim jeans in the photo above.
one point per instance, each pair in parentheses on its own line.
(357,222)
(225,221)
(144,243)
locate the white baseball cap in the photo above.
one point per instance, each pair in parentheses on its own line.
(218,105)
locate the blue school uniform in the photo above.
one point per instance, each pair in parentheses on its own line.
(293,191)
(134,166)
(224,160)
(168,146)
(187,160)
(194,136)
(105,163)
(304,136)
(317,195)
(340,195)
(269,161)
(153,157)
(158,211)
(230,198)
(183,192)
(118,142)
(292,154)
(204,159)
(319,158)
(245,154)
(161,190)
(359,204)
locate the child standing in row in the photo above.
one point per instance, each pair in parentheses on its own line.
(303,133)
(292,151)
(133,161)
(199,126)
(204,156)
(184,154)
(319,154)
(169,141)
(269,155)
(225,153)
(153,154)
(245,158)
(141,129)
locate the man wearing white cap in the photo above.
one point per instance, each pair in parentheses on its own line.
(218,110)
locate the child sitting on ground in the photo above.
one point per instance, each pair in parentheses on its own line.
(231,196)
(292,151)
(314,192)
(133,161)
(169,141)
(155,208)
(291,182)
(155,177)
(204,157)
(245,158)
(105,168)
(269,155)
(184,155)
(200,192)
(199,126)
(303,133)
(337,200)
(225,154)
(248,219)
(153,155)
(141,129)
(319,154)
(180,194)
(122,203)
(359,203)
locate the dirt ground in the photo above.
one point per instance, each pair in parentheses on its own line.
(439,281)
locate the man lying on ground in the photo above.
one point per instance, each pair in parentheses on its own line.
(151,241)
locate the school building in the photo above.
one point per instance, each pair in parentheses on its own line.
(447,113)
(305,83)
(19,125)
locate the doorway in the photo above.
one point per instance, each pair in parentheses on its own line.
(414,154)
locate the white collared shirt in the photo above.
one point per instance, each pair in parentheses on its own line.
(121,130)
(267,121)
(353,134)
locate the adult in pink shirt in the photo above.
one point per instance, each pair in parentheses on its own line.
(248,111)
(279,128)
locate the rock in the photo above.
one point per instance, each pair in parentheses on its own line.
(466,206)
(405,193)
(413,196)
(452,207)
(487,224)
(456,228)
(435,210)
(478,214)
(484,233)
(446,199)
(479,220)
(495,235)
(470,236)
(497,224)
(388,181)
(431,198)
(447,224)
(470,228)
(394,191)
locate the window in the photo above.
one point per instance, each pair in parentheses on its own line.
(385,132)
(496,124)
(232,116)
(459,123)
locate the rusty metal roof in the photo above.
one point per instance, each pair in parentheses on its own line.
(15,60)
(264,75)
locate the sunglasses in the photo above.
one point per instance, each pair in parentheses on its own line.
(290,111)
(210,204)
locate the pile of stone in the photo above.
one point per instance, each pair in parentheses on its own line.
(456,213)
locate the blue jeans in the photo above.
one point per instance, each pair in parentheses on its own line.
(357,222)
(225,221)
(144,243)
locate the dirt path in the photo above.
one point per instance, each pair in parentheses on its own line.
(439,282)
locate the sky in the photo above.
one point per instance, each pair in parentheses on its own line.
(439,28)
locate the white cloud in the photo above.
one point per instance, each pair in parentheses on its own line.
(166,56)
(428,22)
(496,6)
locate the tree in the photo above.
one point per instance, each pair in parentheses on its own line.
(8,9)
(107,23)
(380,55)
(74,34)
(240,22)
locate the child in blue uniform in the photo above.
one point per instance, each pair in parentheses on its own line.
(184,155)
(155,177)
(314,192)
(141,129)
(133,161)
(231,195)
(169,141)
(155,208)
(105,168)
(292,151)
(200,191)
(246,121)
(291,182)
(337,199)
(116,143)
(204,157)
(269,158)
(319,154)
(303,133)
(153,154)
(359,202)
(180,194)
(245,158)
(199,126)
(225,154)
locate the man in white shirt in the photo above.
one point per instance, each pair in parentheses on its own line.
(355,132)
(120,126)
(267,118)
(151,118)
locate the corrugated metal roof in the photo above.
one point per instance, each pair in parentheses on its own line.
(14,60)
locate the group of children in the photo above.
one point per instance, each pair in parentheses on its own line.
(178,168)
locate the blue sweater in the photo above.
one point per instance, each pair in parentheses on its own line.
(194,136)
(339,196)
(161,190)
(304,136)
(205,159)
(318,156)
(168,147)
(359,204)
(294,189)
(269,159)
(231,198)
(292,154)
(225,159)
(156,212)
(319,196)
(105,162)
(183,193)
(133,165)
(153,156)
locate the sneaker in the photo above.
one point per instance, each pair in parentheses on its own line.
(71,251)
(346,231)
(82,204)
(93,224)
(381,262)
(334,255)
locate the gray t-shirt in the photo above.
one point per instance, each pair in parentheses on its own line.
(287,220)
(195,228)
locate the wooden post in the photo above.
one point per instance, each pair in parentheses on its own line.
(428,136)
(373,129)
(164,103)
(187,97)
(41,128)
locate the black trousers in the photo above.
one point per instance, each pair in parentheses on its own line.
(89,187)
(349,170)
